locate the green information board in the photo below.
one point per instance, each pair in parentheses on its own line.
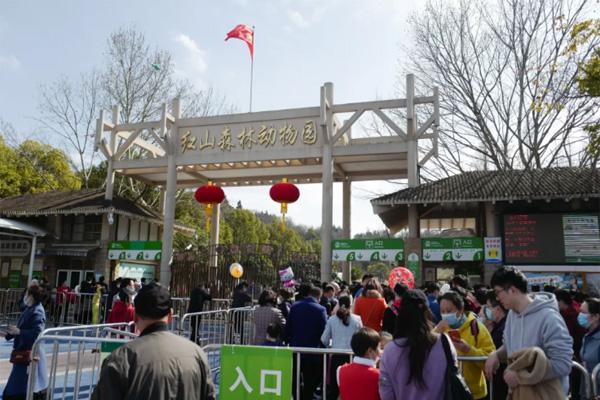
(135,250)
(14,279)
(256,373)
(453,249)
(368,250)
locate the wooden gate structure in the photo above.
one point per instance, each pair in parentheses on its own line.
(304,145)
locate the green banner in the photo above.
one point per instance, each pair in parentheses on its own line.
(255,373)
(368,250)
(453,249)
(14,279)
(135,250)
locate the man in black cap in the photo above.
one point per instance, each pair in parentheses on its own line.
(158,365)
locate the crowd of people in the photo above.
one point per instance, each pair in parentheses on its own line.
(405,341)
(403,337)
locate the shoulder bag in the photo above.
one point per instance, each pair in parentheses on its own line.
(455,386)
(20,357)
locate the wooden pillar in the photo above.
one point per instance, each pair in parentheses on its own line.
(161,199)
(492,229)
(171,192)
(347,224)
(110,173)
(214,238)
(327,180)
(412,250)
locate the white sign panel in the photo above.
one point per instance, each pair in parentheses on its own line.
(493,250)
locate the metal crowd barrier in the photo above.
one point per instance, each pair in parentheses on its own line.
(74,358)
(231,326)
(213,351)
(79,309)
(594,380)
(9,305)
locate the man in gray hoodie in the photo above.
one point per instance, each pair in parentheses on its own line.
(533,321)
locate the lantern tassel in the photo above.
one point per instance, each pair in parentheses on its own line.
(208,212)
(283,212)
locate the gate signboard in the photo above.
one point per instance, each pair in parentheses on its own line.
(368,250)
(135,250)
(453,249)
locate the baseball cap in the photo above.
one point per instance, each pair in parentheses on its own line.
(153,301)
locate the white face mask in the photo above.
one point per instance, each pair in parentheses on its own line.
(29,301)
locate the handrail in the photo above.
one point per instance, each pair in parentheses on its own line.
(594,379)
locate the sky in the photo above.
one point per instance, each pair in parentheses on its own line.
(299,45)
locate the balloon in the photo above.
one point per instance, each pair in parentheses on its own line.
(401,275)
(236,270)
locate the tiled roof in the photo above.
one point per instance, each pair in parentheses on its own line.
(85,201)
(551,183)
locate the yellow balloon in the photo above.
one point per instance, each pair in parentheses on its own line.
(236,270)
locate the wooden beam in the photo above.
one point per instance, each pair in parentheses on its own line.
(123,147)
(426,125)
(348,124)
(144,144)
(388,121)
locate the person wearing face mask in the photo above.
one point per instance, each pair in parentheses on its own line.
(533,320)
(31,323)
(589,318)
(496,314)
(470,338)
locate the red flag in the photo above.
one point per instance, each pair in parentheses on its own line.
(245,33)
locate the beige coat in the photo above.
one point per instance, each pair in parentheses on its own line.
(532,367)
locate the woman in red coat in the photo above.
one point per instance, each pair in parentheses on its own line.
(122,310)
(371,305)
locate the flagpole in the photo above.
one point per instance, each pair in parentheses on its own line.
(252,66)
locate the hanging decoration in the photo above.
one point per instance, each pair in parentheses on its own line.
(236,270)
(284,193)
(401,275)
(209,195)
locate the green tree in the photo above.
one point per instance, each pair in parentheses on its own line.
(380,270)
(287,238)
(583,34)
(246,227)
(10,178)
(34,167)
(44,168)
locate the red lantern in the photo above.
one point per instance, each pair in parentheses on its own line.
(209,195)
(284,193)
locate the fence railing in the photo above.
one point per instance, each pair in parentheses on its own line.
(70,308)
(75,354)
(231,326)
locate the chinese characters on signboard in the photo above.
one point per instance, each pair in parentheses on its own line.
(247,137)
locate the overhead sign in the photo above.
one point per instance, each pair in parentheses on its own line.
(453,249)
(135,250)
(368,250)
(15,248)
(255,373)
(493,250)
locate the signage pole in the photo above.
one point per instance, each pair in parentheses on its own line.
(31,260)
(252,66)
